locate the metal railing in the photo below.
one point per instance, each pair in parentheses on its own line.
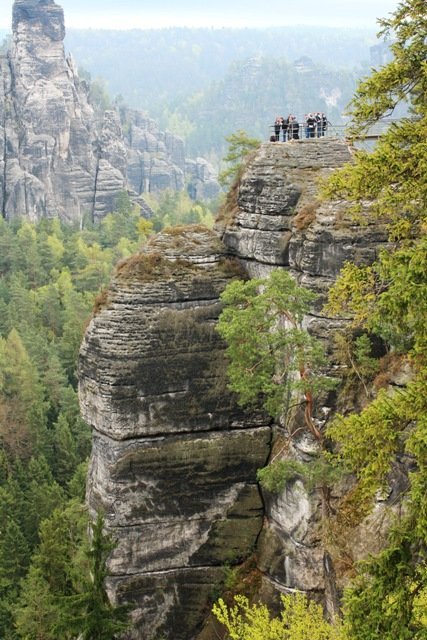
(298,131)
(333,131)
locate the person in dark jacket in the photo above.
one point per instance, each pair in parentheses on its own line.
(293,128)
(277,127)
(318,118)
(310,125)
(285,125)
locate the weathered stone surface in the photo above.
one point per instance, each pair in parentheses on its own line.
(156,159)
(55,159)
(203,183)
(49,163)
(279,220)
(172,600)
(195,488)
(174,459)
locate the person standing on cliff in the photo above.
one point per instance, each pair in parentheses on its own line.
(293,128)
(277,127)
(285,125)
(324,123)
(310,124)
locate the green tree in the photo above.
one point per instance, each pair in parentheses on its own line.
(272,358)
(389,299)
(14,561)
(65,457)
(22,401)
(97,618)
(43,495)
(240,146)
(393,177)
(56,571)
(36,612)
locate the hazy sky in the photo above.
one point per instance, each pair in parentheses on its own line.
(145,14)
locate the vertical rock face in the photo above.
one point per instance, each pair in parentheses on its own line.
(204,183)
(155,159)
(278,221)
(50,159)
(39,32)
(174,460)
(54,159)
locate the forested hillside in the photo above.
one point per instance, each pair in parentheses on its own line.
(252,94)
(50,276)
(149,68)
(204,84)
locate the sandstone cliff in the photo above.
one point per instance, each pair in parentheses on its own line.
(174,459)
(275,219)
(55,159)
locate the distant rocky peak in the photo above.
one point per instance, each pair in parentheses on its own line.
(57,157)
(38,34)
(45,15)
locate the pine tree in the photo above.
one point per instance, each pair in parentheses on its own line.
(64,451)
(273,359)
(14,561)
(240,146)
(97,618)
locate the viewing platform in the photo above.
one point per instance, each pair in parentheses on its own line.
(338,131)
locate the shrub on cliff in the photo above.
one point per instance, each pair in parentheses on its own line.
(299,619)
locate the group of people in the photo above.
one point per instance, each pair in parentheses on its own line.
(289,127)
(315,126)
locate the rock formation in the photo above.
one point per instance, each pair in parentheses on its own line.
(278,221)
(49,162)
(54,159)
(203,182)
(174,458)
(156,160)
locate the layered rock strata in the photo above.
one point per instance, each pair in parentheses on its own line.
(174,460)
(279,220)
